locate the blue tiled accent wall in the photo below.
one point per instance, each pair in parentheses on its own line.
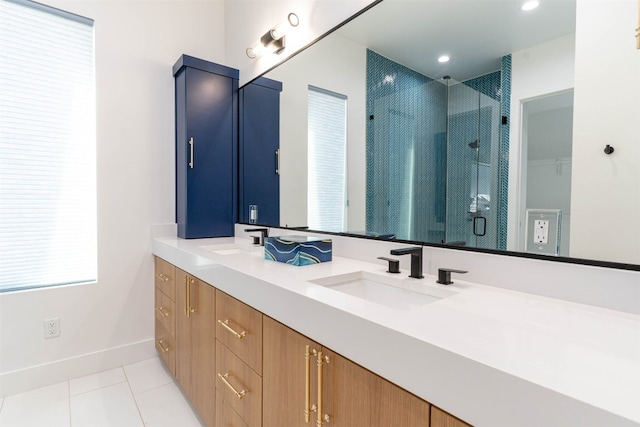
(406,151)
(503,164)
(421,172)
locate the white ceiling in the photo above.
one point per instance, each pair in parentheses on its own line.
(474,33)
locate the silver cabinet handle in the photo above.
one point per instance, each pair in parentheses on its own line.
(278,161)
(191,148)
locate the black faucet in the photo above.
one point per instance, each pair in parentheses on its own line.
(258,240)
(416,259)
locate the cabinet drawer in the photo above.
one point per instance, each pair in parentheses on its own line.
(166,312)
(165,277)
(239,328)
(165,345)
(239,385)
(225,415)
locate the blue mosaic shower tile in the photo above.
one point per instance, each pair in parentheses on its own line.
(405,151)
(503,163)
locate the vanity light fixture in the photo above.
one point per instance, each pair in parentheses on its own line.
(273,40)
(530,5)
(443,59)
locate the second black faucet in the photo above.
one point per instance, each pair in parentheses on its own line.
(416,259)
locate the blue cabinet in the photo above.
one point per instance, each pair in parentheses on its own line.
(206,148)
(259,150)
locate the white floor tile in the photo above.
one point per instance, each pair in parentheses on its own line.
(96,381)
(106,407)
(46,407)
(147,375)
(166,406)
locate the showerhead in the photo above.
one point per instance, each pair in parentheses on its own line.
(475,144)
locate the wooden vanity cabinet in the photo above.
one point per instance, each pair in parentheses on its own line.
(241,368)
(239,385)
(165,312)
(299,374)
(195,343)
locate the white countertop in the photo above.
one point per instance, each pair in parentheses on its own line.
(490,356)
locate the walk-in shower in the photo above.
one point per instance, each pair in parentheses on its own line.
(436,158)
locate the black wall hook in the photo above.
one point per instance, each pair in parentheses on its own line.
(608,149)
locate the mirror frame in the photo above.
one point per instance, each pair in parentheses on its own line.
(566,260)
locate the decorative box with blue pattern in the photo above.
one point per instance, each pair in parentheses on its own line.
(297,250)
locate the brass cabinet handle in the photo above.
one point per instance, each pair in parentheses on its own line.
(163,277)
(187,290)
(308,408)
(191,149)
(163,347)
(225,379)
(321,418)
(190,306)
(186,296)
(163,311)
(225,324)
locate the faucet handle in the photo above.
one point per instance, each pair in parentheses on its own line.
(444,275)
(394,264)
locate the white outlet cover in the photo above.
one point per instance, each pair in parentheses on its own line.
(51,328)
(541,231)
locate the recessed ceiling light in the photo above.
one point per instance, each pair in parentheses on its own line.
(443,58)
(530,5)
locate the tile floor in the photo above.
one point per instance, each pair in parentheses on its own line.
(137,395)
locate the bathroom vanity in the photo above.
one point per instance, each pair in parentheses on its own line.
(283,345)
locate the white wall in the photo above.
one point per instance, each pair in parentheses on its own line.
(247,20)
(541,70)
(605,191)
(337,65)
(111,322)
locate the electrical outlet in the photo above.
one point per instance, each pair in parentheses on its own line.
(52,328)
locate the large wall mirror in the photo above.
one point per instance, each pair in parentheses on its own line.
(380,136)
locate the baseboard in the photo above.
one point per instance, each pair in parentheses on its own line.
(58,371)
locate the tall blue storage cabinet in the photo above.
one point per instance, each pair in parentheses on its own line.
(206,148)
(259,150)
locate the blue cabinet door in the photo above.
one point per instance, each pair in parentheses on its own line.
(259,150)
(206,148)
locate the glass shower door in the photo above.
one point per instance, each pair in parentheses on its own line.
(472,148)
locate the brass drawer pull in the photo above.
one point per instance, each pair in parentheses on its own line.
(225,379)
(164,348)
(163,311)
(225,324)
(163,277)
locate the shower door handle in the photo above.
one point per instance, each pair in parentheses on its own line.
(479,220)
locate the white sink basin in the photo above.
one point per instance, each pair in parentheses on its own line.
(233,249)
(401,293)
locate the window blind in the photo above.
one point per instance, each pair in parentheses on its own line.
(327,140)
(47,147)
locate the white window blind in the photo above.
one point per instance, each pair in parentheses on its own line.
(47,147)
(327,141)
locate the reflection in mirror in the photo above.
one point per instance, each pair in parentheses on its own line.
(433,149)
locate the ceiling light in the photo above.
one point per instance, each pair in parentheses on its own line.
(530,5)
(444,58)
